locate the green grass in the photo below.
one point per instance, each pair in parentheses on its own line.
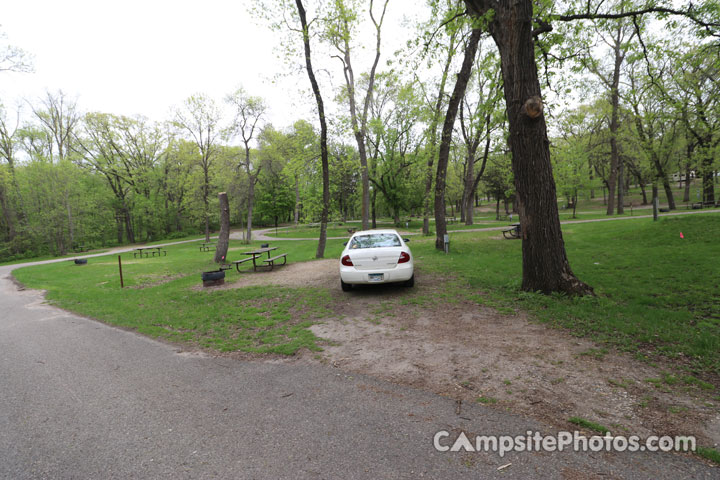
(656,292)
(486,400)
(581,422)
(709,453)
(162,299)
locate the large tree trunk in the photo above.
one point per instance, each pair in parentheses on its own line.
(708,177)
(545,265)
(466,212)
(614,154)
(119,229)
(644,192)
(224,236)
(320,252)
(250,206)
(686,192)
(206,204)
(128,225)
(621,187)
(432,144)
(444,152)
(666,183)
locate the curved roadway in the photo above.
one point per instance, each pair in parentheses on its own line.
(82,400)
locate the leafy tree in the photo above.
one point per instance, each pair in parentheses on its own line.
(341,24)
(12,58)
(320,253)
(617,35)
(249,112)
(59,117)
(394,141)
(514,26)
(696,75)
(200,118)
(479,120)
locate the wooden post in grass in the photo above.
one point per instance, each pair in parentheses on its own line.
(122,285)
(224,236)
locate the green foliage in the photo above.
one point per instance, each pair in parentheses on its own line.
(581,422)
(709,453)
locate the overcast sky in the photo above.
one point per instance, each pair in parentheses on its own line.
(146,56)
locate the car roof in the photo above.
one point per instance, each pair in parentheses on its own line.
(378,230)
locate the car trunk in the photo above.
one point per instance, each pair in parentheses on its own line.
(375,258)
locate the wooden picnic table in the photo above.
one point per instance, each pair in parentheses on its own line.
(258,253)
(205,246)
(270,261)
(148,250)
(514,231)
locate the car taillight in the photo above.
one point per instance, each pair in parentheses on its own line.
(404,257)
(346,261)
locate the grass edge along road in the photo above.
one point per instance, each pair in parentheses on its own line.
(655,291)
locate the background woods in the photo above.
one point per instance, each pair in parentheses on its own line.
(625,105)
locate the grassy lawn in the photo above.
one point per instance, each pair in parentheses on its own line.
(656,292)
(481,220)
(159,299)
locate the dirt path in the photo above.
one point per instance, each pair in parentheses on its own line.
(425,338)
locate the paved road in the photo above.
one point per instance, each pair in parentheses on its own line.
(79,399)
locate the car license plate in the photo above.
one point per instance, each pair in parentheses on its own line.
(375,277)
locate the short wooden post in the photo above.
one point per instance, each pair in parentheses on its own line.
(120,268)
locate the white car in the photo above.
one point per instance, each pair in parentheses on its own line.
(376,256)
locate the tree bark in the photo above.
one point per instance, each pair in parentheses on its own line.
(320,252)
(445,140)
(250,206)
(224,236)
(614,182)
(432,144)
(686,192)
(206,203)
(545,265)
(621,187)
(644,192)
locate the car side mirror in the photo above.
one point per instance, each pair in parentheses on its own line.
(406,240)
(345,244)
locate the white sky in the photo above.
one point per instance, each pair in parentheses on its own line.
(146,56)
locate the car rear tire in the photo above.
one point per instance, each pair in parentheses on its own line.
(410,282)
(346,287)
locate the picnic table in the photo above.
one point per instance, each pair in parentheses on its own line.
(513,232)
(701,205)
(205,246)
(255,254)
(148,251)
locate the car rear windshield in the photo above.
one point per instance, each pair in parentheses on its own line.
(375,240)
